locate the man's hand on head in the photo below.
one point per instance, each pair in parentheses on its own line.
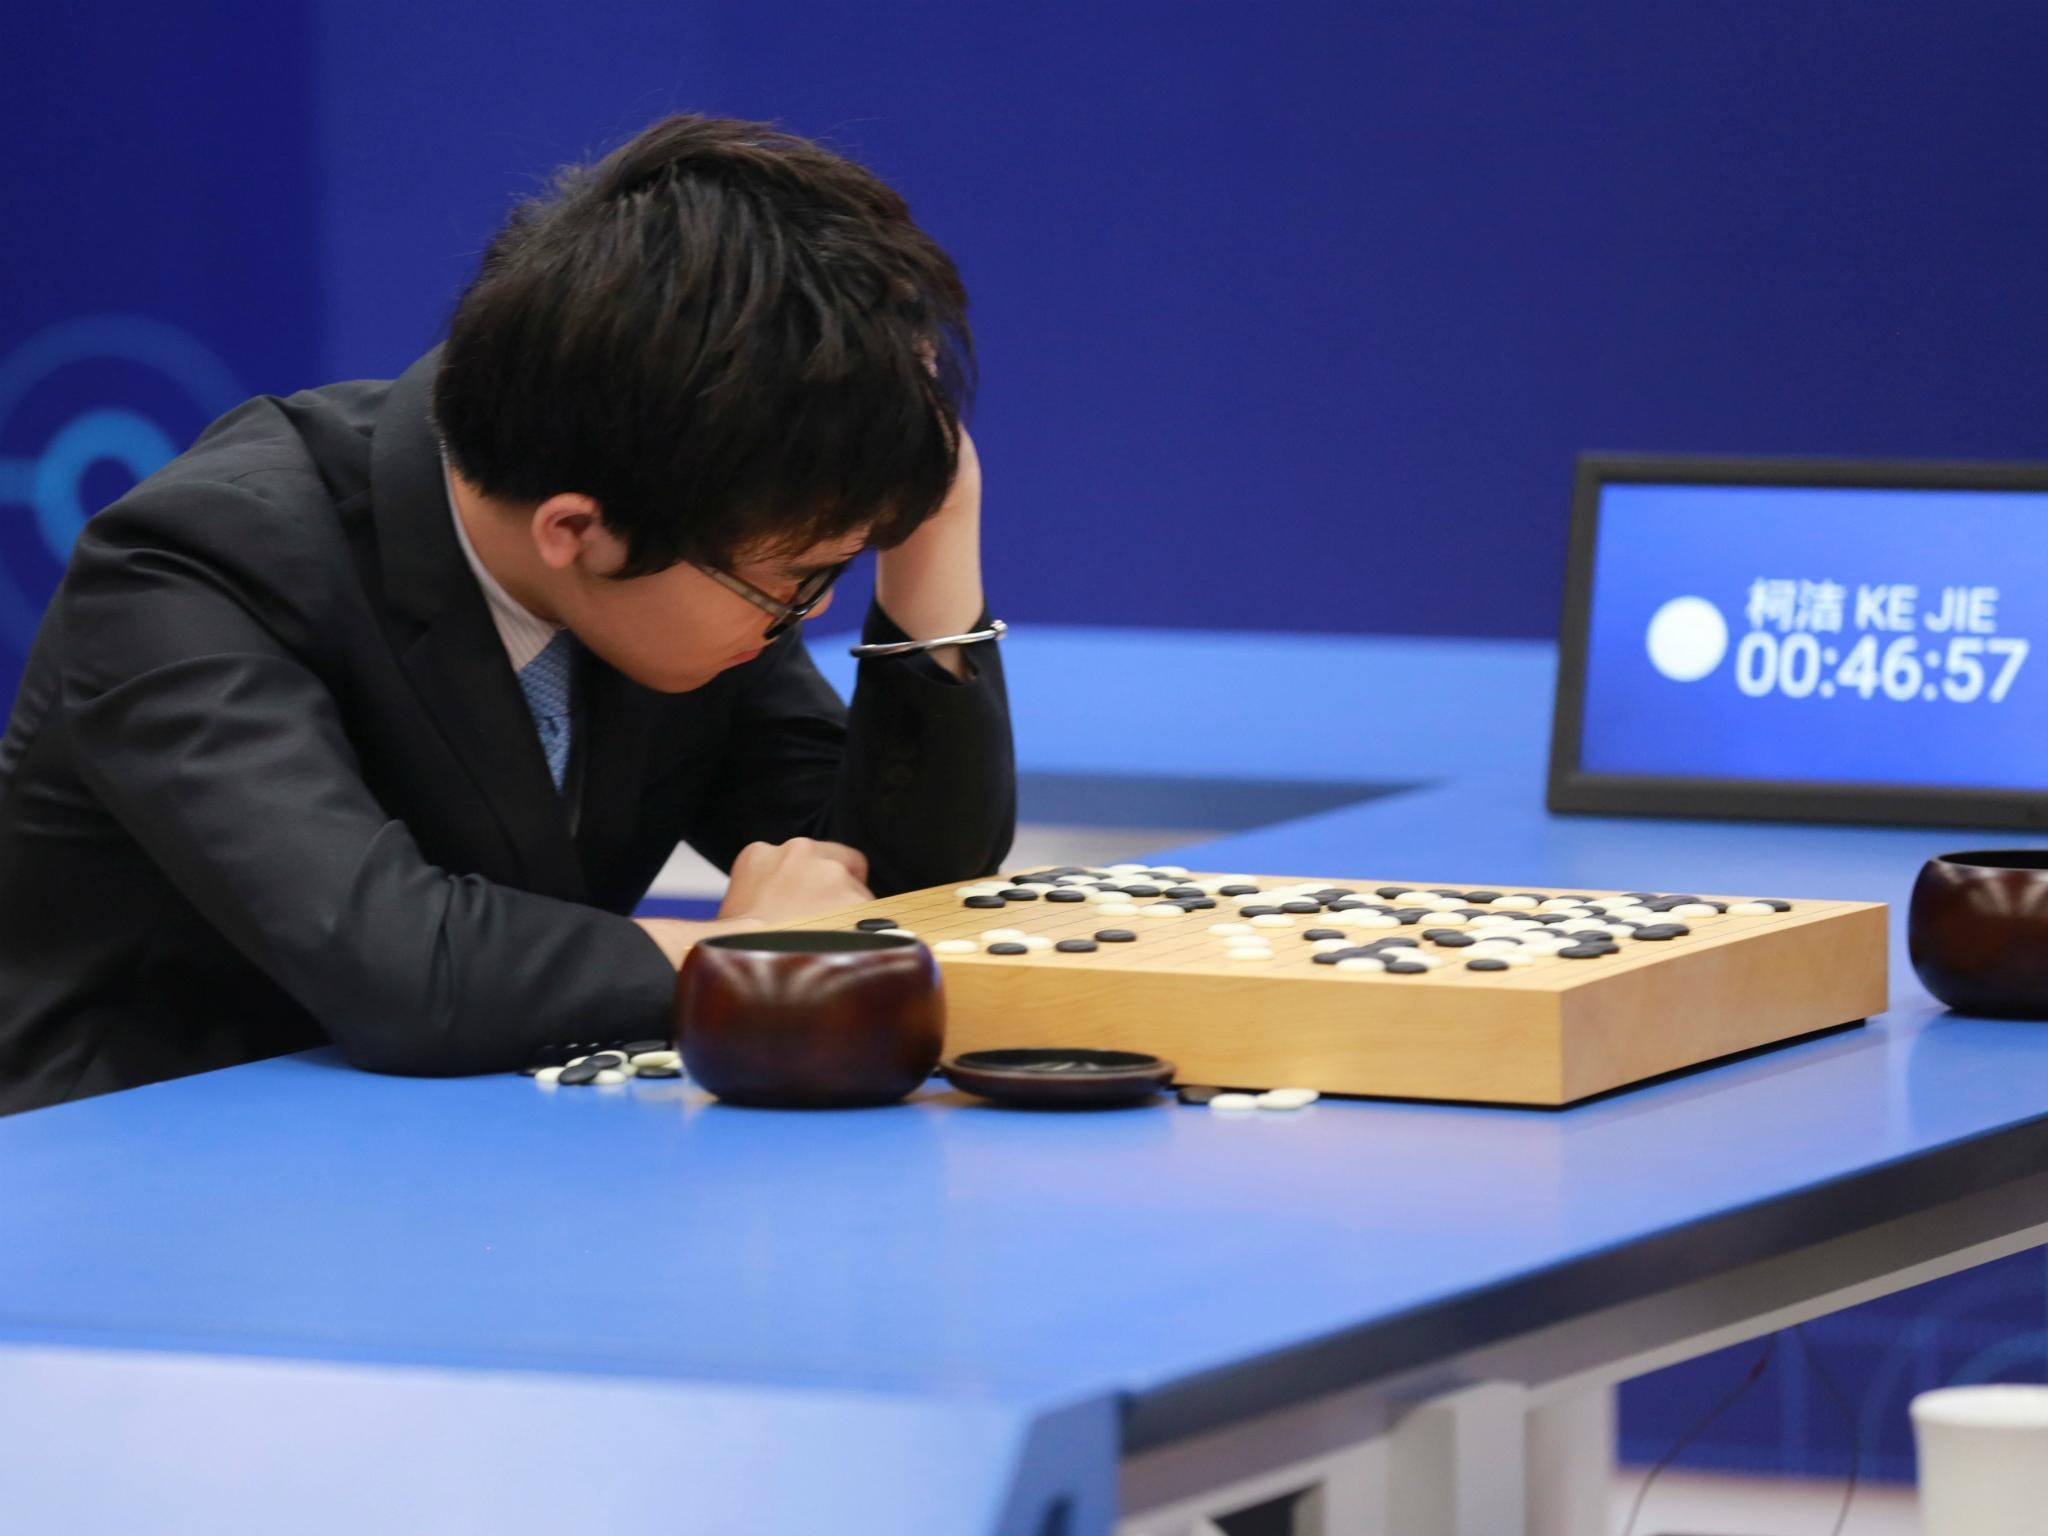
(930,584)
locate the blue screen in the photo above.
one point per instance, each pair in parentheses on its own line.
(1819,633)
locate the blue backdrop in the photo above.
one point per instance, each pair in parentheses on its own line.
(1290,318)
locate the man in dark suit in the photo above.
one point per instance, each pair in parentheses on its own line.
(368,718)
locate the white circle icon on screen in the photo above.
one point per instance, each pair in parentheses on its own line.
(1687,639)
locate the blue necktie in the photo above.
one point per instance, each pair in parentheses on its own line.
(546,681)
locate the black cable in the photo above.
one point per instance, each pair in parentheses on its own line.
(1713,1413)
(1848,1417)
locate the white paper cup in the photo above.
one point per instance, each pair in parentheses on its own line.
(1983,1460)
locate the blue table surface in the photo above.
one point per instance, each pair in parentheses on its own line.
(949,1249)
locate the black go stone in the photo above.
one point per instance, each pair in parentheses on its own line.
(1323,933)
(1389,892)
(641,1047)
(604,1059)
(1009,949)
(1585,951)
(1661,931)
(1196,1094)
(1452,939)
(1408,917)
(1186,892)
(1198,904)
(1064,894)
(870,925)
(1018,893)
(1459,894)
(1035,880)
(1256,911)
(1639,896)
(987,903)
(1482,897)
(1076,946)
(1406,967)
(1299,907)
(1437,933)
(1141,890)
(1774,904)
(1590,935)
(1115,935)
(644,1072)
(1486,963)
(1334,892)
(1401,943)
(1351,905)
(1332,956)
(582,1072)
(1237,890)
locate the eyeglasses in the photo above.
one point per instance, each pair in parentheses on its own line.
(806,597)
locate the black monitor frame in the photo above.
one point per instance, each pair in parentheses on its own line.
(1574,790)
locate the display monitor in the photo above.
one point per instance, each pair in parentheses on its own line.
(1798,639)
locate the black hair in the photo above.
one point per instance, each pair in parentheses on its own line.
(733,339)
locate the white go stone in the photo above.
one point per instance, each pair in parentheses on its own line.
(1752,909)
(1125,869)
(1360,963)
(1117,908)
(1323,946)
(1370,920)
(1413,898)
(1521,902)
(1036,941)
(955,947)
(1247,952)
(897,933)
(1288,1098)
(1230,928)
(1002,935)
(1695,909)
(1518,957)
(1274,920)
(1230,1101)
(548,1077)
(1490,920)
(610,1077)
(1162,909)
(1446,920)
(658,1059)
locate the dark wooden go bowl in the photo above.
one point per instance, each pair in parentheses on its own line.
(809,1020)
(1977,932)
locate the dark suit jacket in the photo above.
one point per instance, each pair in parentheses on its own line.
(270,780)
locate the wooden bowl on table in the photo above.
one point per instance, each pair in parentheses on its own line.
(811,1019)
(1977,932)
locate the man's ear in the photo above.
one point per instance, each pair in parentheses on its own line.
(569,527)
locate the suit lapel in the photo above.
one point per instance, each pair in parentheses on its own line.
(453,655)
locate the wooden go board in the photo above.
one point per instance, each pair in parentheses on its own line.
(1548,1028)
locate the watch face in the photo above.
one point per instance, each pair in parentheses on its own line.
(1838,634)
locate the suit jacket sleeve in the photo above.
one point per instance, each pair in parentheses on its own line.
(207,732)
(919,773)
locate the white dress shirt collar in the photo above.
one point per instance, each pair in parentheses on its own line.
(523,632)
